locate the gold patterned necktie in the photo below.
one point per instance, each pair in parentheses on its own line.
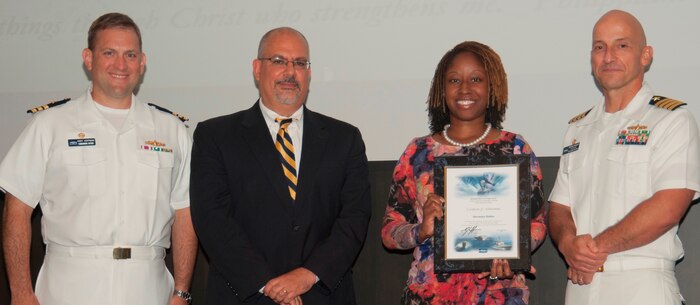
(286,149)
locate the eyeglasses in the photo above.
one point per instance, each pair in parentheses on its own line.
(282,62)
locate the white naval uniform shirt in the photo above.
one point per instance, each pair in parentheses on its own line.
(602,181)
(98,186)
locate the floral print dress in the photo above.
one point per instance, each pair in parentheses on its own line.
(412,182)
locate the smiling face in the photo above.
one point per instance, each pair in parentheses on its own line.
(283,88)
(466,88)
(619,55)
(116,65)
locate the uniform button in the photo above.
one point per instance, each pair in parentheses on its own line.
(296,228)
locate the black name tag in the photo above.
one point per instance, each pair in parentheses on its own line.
(81,142)
(570,148)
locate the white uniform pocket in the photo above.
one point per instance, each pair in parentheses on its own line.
(153,174)
(630,164)
(86,167)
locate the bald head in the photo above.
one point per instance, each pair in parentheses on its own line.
(285,31)
(619,55)
(620,21)
(282,70)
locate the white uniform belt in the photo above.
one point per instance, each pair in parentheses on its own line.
(108,252)
(622,264)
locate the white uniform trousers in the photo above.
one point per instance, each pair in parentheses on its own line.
(633,281)
(91,275)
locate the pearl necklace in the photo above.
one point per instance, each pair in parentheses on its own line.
(455,143)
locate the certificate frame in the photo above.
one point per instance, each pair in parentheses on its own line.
(486,213)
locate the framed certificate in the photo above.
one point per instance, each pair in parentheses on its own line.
(487,212)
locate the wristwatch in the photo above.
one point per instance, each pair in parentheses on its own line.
(185,295)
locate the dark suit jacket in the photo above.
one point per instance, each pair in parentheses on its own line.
(247,223)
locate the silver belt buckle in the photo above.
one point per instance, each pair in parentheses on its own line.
(121,253)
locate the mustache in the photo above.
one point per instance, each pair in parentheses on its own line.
(290,80)
(610,66)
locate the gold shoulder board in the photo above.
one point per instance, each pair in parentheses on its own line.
(580,116)
(665,103)
(47,106)
(179,116)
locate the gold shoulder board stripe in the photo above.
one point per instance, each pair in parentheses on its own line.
(665,103)
(49,105)
(179,116)
(580,116)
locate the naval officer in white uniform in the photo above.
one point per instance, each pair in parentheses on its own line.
(629,169)
(111,175)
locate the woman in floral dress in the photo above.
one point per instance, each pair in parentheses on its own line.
(466,106)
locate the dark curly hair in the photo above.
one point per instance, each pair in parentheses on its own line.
(439,114)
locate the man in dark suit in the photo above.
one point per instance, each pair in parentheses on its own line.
(280,194)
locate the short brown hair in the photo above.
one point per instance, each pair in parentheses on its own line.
(108,21)
(439,114)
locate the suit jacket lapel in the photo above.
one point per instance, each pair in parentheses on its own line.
(257,137)
(313,148)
